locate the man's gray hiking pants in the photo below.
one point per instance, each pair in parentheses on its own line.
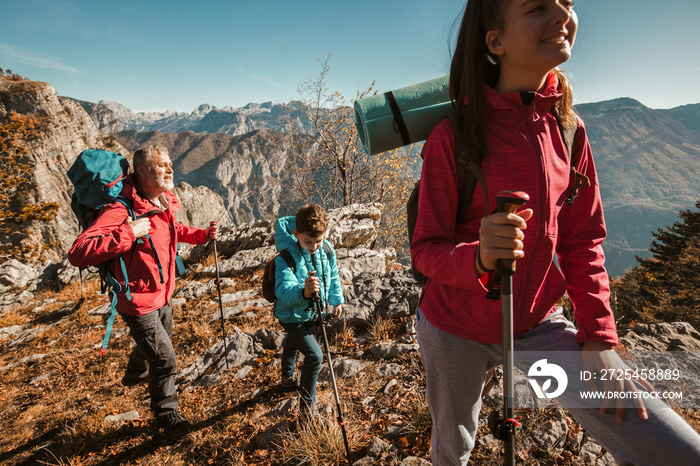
(455,372)
(154,355)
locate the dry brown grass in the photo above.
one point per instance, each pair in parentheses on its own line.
(417,416)
(210,260)
(380,328)
(60,419)
(343,339)
(317,443)
(13,317)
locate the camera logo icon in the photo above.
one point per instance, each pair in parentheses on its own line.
(547,371)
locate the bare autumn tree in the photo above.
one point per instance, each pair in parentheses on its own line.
(15,174)
(331,167)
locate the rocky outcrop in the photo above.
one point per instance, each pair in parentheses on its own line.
(352,230)
(15,274)
(200,206)
(676,336)
(65,130)
(249,171)
(105,120)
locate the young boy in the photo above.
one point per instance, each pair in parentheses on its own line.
(302,236)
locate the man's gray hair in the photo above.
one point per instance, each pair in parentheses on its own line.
(144,155)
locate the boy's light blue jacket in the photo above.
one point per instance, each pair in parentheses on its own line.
(291,306)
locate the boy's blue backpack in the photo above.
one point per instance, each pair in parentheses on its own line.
(97,177)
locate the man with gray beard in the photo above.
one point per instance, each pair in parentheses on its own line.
(150,267)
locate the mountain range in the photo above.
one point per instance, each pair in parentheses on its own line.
(648,164)
(205,119)
(648,160)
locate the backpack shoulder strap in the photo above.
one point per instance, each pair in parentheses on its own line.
(568,135)
(288,259)
(468,170)
(328,250)
(130,208)
(128,204)
(115,288)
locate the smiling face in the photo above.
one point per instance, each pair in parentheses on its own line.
(535,38)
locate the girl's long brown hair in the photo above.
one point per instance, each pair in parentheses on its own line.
(471,71)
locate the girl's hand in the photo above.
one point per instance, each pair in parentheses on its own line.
(311,287)
(337,311)
(501,237)
(597,356)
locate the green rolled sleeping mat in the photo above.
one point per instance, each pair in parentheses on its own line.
(401,117)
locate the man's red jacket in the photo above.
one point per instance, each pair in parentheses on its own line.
(110,236)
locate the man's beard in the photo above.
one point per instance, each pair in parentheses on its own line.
(167,185)
(162,183)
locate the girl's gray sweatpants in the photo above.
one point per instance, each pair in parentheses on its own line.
(455,371)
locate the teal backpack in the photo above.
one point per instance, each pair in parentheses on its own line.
(97,177)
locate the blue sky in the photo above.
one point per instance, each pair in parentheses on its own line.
(160,55)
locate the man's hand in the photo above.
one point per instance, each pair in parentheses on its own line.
(212,232)
(140,227)
(598,356)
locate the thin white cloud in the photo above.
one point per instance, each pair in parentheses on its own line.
(267,81)
(260,78)
(34,58)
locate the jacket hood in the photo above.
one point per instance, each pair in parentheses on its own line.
(291,306)
(284,234)
(529,104)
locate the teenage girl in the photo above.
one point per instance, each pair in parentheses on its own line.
(504,69)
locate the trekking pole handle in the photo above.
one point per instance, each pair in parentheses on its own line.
(312,273)
(216,257)
(510,202)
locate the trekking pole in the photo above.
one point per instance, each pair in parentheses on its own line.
(316,297)
(221,305)
(504,427)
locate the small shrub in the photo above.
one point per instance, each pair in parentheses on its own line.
(314,443)
(380,328)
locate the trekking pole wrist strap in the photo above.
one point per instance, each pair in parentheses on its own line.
(480,263)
